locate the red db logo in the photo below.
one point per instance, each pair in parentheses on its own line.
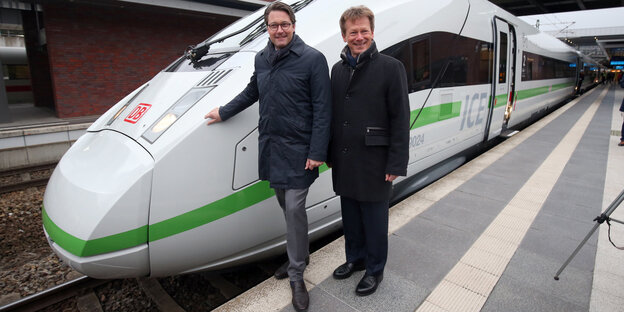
(137,113)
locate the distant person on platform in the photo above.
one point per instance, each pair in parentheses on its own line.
(291,80)
(369,144)
(622,113)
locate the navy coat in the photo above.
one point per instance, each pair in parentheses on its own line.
(293,89)
(370,125)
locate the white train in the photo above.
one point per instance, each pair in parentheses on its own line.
(150,190)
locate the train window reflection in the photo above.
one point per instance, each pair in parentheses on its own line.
(426,57)
(502,67)
(536,67)
(421,60)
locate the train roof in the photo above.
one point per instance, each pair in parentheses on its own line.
(395,21)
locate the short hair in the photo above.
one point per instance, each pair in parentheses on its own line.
(279,6)
(354,13)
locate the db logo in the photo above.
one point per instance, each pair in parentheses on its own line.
(137,113)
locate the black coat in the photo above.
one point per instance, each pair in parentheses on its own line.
(370,125)
(295,111)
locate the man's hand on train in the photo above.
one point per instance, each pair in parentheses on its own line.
(214,115)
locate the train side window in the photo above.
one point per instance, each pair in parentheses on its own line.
(527,66)
(529,72)
(425,57)
(536,67)
(485,59)
(401,52)
(468,63)
(502,67)
(421,69)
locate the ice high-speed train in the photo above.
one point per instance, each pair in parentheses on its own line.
(150,190)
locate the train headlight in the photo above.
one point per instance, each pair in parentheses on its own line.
(164,123)
(174,113)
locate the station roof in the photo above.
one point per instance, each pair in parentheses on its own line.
(531,7)
(238,8)
(597,33)
(605,45)
(602,47)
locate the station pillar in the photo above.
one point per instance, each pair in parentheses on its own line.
(5,113)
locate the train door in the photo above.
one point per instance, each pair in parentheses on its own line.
(501,103)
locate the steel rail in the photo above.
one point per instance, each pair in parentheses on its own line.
(23,185)
(53,295)
(25,169)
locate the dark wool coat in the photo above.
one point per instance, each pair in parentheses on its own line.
(370,125)
(293,88)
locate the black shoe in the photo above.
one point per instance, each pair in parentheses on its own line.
(282,271)
(346,269)
(368,284)
(300,298)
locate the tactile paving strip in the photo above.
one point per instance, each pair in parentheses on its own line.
(458,291)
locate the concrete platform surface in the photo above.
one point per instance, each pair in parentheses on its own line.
(491,235)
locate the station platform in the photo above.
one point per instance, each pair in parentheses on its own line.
(491,235)
(36,136)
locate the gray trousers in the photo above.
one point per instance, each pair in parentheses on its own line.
(292,202)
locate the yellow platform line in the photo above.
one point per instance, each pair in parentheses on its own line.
(467,286)
(608,281)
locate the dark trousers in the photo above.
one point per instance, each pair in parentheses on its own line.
(622,133)
(365,226)
(622,138)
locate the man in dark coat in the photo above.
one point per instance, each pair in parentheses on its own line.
(291,82)
(369,144)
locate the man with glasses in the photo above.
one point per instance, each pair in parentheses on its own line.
(291,82)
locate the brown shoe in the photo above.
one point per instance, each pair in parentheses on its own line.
(621,143)
(300,299)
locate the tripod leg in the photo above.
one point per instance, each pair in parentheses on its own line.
(565,264)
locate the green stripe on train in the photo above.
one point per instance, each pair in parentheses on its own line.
(86,248)
(221,208)
(233,203)
(525,94)
(434,114)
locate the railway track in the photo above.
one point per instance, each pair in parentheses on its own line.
(83,290)
(20,178)
(53,295)
(201,291)
(187,293)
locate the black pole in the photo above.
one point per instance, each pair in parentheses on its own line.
(599,220)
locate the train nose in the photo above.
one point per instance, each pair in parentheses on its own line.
(96,206)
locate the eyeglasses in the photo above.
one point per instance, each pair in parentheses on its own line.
(285,26)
